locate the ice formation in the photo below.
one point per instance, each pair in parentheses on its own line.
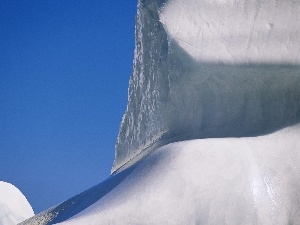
(14,207)
(227,74)
(210,68)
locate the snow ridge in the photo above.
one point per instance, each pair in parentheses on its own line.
(141,121)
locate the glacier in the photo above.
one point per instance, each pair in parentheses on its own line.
(14,207)
(211,130)
(210,68)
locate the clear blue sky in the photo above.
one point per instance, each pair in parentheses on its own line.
(64,72)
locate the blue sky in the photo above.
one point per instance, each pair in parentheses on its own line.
(64,72)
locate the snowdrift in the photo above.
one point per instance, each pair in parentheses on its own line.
(250,180)
(14,207)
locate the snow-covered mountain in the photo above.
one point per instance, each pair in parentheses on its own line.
(14,207)
(210,134)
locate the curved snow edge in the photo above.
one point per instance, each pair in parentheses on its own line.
(14,206)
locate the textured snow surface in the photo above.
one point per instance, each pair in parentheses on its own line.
(234,181)
(210,68)
(14,207)
(235,31)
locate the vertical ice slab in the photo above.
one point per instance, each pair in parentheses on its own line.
(142,123)
(210,68)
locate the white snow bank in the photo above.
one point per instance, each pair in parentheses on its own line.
(14,207)
(235,31)
(253,180)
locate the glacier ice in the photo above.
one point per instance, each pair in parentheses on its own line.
(210,68)
(14,207)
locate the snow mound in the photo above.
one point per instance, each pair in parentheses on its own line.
(14,207)
(250,180)
(253,180)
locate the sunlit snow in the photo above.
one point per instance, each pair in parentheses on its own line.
(234,31)
(211,130)
(210,181)
(14,207)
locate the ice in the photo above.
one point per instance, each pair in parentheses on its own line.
(249,180)
(14,207)
(210,68)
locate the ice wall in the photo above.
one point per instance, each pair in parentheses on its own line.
(210,69)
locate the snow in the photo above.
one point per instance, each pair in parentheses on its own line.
(235,31)
(212,126)
(14,207)
(210,68)
(250,180)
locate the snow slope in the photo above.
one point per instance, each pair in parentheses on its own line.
(210,68)
(211,181)
(250,180)
(14,207)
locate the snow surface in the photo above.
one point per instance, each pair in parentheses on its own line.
(14,207)
(220,72)
(250,180)
(235,31)
(210,68)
